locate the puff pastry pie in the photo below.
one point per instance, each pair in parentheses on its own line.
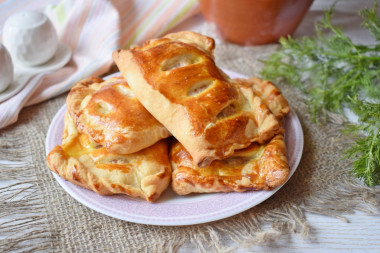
(257,167)
(109,112)
(145,174)
(177,81)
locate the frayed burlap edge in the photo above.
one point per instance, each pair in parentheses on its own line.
(23,217)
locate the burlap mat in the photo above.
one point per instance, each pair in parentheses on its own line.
(45,218)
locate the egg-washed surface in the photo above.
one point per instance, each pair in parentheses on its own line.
(269,94)
(257,167)
(109,112)
(198,103)
(145,174)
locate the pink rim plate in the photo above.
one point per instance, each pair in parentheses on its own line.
(172,209)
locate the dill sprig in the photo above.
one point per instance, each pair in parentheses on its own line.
(336,73)
(366,147)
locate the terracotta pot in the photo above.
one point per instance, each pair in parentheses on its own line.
(254,22)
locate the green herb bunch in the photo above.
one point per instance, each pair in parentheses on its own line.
(336,73)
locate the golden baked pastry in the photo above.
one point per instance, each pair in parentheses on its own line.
(177,81)
(257,167)
(145,174)
(108,112)
(269,94)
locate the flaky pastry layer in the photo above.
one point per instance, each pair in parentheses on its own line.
(109,112)
(269,94)
(257,167)
(145,174)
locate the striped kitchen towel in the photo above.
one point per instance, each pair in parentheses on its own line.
(92,29)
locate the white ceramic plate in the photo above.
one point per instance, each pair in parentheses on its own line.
(24,73)
(172,209)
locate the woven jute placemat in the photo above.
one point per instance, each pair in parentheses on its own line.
(36,214)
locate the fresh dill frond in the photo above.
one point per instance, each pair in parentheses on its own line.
(335,73)
(366,154)
(371,21)
(365,149)
(367,111)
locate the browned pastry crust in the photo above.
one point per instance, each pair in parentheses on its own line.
(269,94)
(111,115)
(257,167)
(176,79)
(145,174)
